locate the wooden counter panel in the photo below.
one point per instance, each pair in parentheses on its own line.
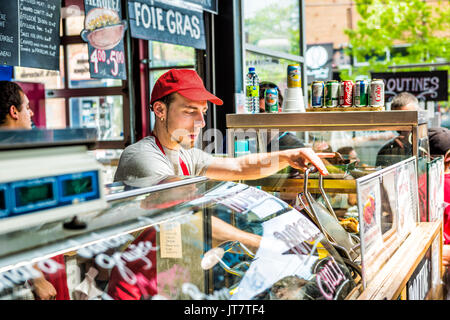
(392,278)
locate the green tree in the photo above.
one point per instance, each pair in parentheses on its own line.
(420,25)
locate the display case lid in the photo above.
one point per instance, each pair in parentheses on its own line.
(41,138)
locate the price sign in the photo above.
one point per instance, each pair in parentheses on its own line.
(104,31)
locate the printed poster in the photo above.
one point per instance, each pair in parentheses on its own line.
(406,202)
(372,245)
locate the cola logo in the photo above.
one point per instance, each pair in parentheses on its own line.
(348,96)
(378,94)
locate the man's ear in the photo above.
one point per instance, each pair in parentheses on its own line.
(13,112)
(160,109)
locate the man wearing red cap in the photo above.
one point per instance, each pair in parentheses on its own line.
(179,101)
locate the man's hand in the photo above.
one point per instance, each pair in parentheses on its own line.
(301,158)
(43,289)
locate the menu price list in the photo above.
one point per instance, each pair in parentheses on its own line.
(29,33)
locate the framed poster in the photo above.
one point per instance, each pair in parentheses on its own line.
(388,212)
(372,245)
(407,197)
(435,192)
(104,31)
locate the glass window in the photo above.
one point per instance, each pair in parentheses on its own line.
(51,78)
(269,68)
(55,113)
(272,24)
(166,54)
(78,65)
(104,113)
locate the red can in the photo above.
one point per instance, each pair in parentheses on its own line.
(346,93)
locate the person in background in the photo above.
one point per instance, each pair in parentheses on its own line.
(15,111)
(16,114)
(439,141)
(349,153)
(286,140)
(400,147)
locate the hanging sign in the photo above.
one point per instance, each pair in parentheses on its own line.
(104,31)
(154,20)
(207,5)
(425,85)
(29,33)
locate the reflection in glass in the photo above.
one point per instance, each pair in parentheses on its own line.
(104,113)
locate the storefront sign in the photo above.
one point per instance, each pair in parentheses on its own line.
(207,5)
(425,85)
(104,31)
(153,20)
(419,284)
(29,33)
(318,60)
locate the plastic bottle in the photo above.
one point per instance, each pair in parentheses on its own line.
(252,90)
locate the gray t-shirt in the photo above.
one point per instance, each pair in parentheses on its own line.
(144,159)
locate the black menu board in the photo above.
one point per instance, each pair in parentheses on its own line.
(104,30)
(29,33)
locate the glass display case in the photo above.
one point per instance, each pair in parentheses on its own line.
(179,238)
(365,141)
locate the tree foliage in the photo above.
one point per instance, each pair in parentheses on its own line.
(421,25)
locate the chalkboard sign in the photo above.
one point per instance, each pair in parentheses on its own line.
(104,31)
(207,5)
(152,20)
(29,33)
(425,85)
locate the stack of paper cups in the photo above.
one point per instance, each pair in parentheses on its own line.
(293,101)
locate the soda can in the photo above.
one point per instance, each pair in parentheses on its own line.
(331,94)
(346,93)
(271,100)
(317,89)
(361,93)
(376,93)
(294,76)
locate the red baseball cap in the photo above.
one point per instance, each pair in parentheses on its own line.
(185,82)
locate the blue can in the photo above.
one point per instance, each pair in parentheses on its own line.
(317,91)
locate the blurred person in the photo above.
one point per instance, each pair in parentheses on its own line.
(179,102)
(286,140)
(439,140)
(349,153)
(400,147)
(15,111)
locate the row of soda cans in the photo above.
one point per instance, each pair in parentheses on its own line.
(362,93)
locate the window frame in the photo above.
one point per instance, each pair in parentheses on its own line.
(67,92)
